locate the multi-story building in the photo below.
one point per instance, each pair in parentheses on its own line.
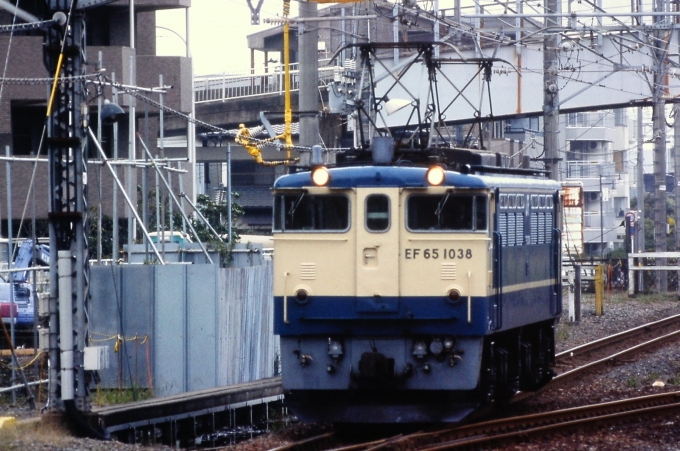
(108,44)
(596,152)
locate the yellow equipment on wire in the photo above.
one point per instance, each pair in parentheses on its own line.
(243,136)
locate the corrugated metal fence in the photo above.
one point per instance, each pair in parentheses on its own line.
(180,328)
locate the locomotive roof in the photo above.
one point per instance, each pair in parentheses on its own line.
(412,177)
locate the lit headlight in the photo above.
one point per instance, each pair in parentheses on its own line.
(435,175)
(321,176)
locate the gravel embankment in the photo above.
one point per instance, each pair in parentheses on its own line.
(630,378)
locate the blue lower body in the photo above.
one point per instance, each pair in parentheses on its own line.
(384,360)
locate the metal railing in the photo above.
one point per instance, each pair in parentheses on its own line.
(219,88)
(591,119)
(584,169)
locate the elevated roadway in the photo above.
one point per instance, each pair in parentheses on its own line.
(593,74)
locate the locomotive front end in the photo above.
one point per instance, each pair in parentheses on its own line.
(382,282)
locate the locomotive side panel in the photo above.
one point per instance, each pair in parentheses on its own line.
(526,258)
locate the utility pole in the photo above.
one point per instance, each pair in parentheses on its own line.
(659,124)
(640,227)
(676,161)
(64,51)
(308,37)
(551,97)
(67,156)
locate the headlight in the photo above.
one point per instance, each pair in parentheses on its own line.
(453,296)
(301,296)
(321,176)
(435,175)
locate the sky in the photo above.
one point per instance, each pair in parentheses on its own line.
(218,33)
(219,29)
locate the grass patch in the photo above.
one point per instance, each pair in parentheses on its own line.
(674,380)
(617,297)
(48,433)
(106,397)
(563,332)
(632,382)
(651,377)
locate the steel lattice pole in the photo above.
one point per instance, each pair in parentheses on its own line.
(67,154)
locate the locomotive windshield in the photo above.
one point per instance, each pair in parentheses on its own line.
(447,211)
(309,212)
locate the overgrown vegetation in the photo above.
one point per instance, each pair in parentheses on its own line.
(44,434)
(216,214)
(617,297)
(649,221)
(104,397)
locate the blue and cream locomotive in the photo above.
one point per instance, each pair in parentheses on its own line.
(413,294)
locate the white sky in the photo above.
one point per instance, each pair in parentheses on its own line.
(219,29)
(218,33)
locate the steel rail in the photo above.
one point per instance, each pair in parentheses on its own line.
(526,425)
(597,363)
(613,357)
(562,420)
(612,339)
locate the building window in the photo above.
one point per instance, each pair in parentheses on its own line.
(498,130)
(26,129)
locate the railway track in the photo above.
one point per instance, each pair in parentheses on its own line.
(522,427)
(645,329)
(475,435)
(656,328)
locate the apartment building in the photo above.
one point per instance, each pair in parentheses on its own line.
(108,45)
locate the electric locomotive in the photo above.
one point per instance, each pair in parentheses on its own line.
(413,294)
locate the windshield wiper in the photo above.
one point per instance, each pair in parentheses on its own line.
(440,205)
(296,203)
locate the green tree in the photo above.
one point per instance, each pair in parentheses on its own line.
(217,215)
(107,233)
(649,222)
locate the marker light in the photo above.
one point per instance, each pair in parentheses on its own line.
(435,175)
(321,176)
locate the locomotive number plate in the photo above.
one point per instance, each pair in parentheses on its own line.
(435,254)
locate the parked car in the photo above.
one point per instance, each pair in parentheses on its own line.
(23,301)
